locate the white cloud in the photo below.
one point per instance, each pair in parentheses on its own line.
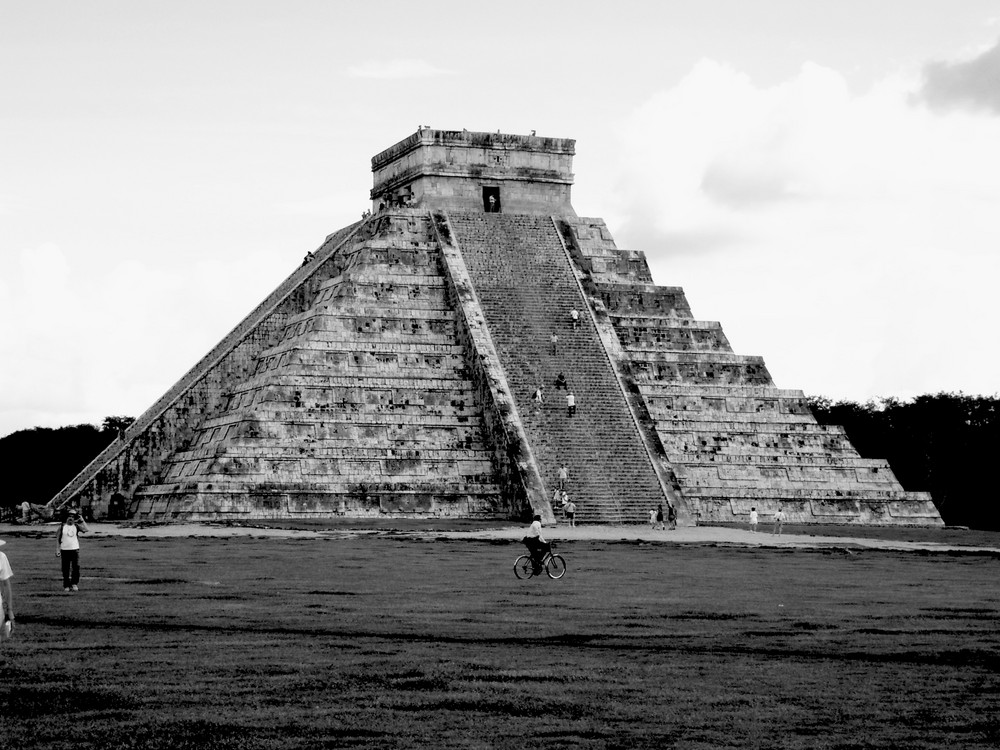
(396,69)
(846,238)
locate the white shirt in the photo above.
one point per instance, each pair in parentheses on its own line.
(535,530)
(5,574)
(69,540)
(5,571)
(570,400)
(753,517)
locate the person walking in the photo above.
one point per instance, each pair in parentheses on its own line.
(574,316)
(659,518)
(753,520)
(671,516)
(554,342)
(570,404)
(570,510)
(538,397)
(68,548)
(563,476)
(6,597)
(779,521)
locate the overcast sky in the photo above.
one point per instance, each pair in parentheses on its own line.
(821,177)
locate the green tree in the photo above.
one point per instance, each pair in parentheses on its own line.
(116,425)
(38,462)
(943,443)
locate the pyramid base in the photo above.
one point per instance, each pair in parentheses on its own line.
(168,504)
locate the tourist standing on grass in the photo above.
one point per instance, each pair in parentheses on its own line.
(671,516)
(6,597)
(753,520)
(652,518)
(779,521)
(659,518)
(68,548)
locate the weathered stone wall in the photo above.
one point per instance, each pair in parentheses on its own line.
(361,407)
(733,440)
(440,169)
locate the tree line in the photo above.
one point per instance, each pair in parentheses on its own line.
(36,463)
(944,444)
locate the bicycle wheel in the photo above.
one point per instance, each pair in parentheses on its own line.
(523,567)
(555,566)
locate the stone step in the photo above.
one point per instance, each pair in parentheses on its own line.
(409,382)
(327,452)
(298,469)
(526,287)
(749,426)
(785,460)
(319,484)
(785,494)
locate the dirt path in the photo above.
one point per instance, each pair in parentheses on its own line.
(711,535)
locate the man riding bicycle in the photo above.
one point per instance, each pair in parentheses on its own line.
(536,544)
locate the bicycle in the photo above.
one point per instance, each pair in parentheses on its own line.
(554,565)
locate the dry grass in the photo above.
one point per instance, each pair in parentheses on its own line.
(388,642)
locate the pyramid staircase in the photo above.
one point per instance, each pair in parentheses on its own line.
(527,287)
(734,440)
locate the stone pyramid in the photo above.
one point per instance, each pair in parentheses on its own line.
(394,373)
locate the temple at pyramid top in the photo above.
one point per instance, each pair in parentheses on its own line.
(459,170)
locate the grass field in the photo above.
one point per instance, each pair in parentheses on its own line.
(389,642)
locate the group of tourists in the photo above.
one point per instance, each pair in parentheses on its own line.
(663,520)
(779,520)
(538,396)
